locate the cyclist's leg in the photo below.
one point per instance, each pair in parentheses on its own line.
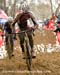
(31,43)
(21,39)
(14,37)
(7,45)
(31,40)
(11,45)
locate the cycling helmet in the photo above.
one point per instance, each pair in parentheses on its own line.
(25,6)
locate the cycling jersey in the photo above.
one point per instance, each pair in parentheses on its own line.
(7,27)
(22,18)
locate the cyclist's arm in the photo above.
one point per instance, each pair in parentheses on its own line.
(34,20)
(15,20)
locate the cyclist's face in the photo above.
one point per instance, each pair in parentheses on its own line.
(21,11)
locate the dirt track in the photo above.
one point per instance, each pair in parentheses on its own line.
(44,64)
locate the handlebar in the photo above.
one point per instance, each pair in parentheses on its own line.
(31,29)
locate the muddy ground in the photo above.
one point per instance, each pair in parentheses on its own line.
(44,64)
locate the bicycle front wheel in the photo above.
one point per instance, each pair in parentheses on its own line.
(28,55)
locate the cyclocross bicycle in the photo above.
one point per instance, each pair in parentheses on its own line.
(27,50)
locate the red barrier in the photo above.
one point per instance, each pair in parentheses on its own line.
(58,37)
(1,39)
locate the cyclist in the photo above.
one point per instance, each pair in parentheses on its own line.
(9,38)
(21,19)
